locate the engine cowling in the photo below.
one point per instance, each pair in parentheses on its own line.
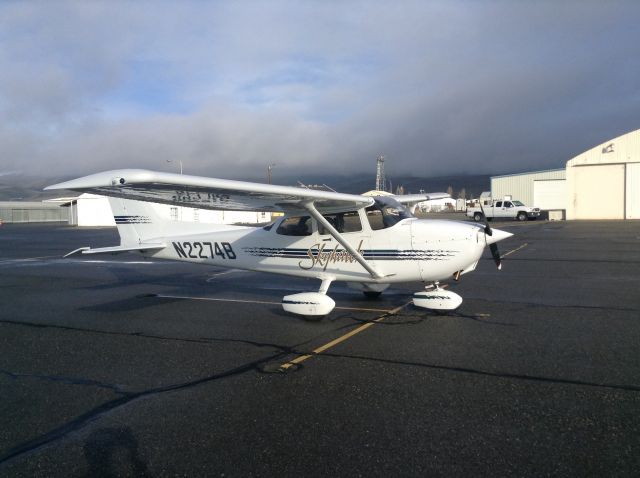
(313,304)
(437,299)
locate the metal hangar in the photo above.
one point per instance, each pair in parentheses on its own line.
(604,182)
(601,183)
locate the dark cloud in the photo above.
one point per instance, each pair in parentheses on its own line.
(439,88)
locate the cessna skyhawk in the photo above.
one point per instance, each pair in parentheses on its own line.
(369,242)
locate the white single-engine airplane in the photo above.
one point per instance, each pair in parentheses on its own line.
(368,241)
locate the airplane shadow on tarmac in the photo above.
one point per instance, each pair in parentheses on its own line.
(112,452)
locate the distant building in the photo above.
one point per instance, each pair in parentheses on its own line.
(436,205)
(23,212)
(543,189)
(604,182)
(601,183)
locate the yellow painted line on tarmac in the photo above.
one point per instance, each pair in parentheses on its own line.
(341,339)
(362,309)
(516,249)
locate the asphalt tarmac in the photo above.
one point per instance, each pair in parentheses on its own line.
(116,366)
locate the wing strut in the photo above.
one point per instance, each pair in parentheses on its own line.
(309,206)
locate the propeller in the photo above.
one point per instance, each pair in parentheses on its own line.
(493,247)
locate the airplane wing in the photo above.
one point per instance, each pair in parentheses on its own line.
(416,198)
(411,201)
(210,193)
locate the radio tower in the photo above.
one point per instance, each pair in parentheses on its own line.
(380,179)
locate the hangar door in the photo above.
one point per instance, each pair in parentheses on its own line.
(599,191)
(550,194)
(633,191)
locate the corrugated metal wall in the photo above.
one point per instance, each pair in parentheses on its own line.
(520,186)
(11,212)
(550,194)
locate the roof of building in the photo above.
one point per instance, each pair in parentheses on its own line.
(525,173)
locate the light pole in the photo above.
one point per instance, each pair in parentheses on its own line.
(171,161)
(269,169)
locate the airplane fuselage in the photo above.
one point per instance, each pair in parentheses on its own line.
(411,250)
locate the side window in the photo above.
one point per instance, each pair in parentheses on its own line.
(375,219)
(342,222)
(508,204)
(499,204)
(295,226)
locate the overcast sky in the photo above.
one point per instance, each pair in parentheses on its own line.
(439,88)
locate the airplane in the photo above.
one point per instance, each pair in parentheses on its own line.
(370,242)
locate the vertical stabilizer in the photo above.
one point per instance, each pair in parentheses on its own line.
(137,221)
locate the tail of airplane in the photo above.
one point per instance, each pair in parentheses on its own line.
(139,222)
(142,228)
(136,221)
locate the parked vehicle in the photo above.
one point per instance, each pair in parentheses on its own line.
(504,208)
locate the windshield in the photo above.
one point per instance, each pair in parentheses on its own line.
(386,212)
(517,203)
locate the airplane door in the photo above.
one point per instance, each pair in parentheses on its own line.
(350,227)
(419,244)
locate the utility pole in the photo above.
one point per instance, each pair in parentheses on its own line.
(269,169)
(380,179)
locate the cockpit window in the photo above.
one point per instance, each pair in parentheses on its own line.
(386,212)
(342,222)
(295,226)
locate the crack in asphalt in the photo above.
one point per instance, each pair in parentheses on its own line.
(92,415)
(467,370)
(128,397)
(536,378)
(81,421)
(532,305)
(68,380)
(201,340)
(569,261)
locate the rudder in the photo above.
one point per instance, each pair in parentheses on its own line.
(137,221)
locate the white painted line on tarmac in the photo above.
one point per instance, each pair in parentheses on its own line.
(245,301)
(214,276)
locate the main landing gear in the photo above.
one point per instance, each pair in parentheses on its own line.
(318,304)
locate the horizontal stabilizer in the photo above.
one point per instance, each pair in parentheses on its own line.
(116,249)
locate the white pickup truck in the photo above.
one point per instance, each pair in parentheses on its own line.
(504,208)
